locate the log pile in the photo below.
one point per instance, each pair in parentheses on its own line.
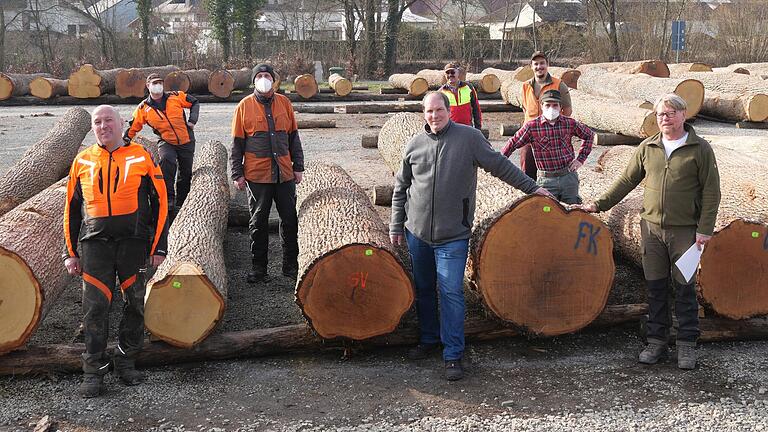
(676,69)
(523,73)
(434,78)
(655,68)
(569,76)
(415,85)
(17,84)
(187,296)
(222,82)
(46,161)
(351,283)
(133,82)
(305,86)
(188,81)
(484,82)
(88,82)
(756,69)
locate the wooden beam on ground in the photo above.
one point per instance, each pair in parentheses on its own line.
(316,123)
(370,141)
(752,125)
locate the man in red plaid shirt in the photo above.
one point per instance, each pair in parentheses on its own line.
(550,138)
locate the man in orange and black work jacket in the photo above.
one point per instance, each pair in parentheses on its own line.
(164,113)
(116,210)
(532,91)
(267,158)
(465,108)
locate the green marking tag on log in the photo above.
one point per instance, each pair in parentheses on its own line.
(368,252)
(547,209)
(176,284)
(755,234)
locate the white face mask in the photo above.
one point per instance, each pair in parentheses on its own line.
(551,113)
(156,88)
(263,85)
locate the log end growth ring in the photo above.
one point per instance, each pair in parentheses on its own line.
(692,91)
(221,83)
(184,304)
(20,300)
(572,253)
(6,87)
(757,107)
(357,292)
(734,270)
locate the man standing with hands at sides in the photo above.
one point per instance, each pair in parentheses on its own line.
(680,202)
(437,184)
(164,113)
(532,90)
(465,107)
(116,210)
(549,137)
(267,160)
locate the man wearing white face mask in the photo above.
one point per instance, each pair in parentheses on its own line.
(266,158)
(550,138)
(164,113)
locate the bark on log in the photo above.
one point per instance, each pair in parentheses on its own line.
(484,82)
(597,112)
(508,129)
(33,273)
(46,161)
(46,88)
(355,87)
(316,123)
(295,338)
(656,68)
(610,139)
(305,86)
(676,69)
(370,141)
(133,82)
(382,195)
(340,85)
(434,78)
(751,125)
(415,85)
(351,283)
(222,82)
(523,73)
(736,106)
(87,82)
(730,82)
(17,84)
(738,70)
(643,87)
(187,295)
(189,81)
(395,134)
(569,76)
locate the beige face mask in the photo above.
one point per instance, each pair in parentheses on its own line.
(156,88)
(263,85)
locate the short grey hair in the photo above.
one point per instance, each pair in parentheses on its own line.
(671,100)
(443,96)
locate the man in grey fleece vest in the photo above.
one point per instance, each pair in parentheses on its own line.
(433,208)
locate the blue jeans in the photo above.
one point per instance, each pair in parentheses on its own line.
(440,267)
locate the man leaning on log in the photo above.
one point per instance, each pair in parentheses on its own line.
(541,82)
(267,158)
(549,137)
(117,211)
(437,183)
(164,113)
(680,202)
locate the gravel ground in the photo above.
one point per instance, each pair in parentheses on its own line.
(585,381)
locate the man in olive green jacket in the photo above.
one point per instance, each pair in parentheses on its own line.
(682,194)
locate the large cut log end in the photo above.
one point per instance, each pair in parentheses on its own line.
(20,300)
(650,126)
(692,91)
(306,86)
(572,253)
(356,292)
(6,87)
(183,307)
(757,107)
(221,83)
(734,270)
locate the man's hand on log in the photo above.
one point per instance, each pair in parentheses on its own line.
(240,183)
(156,260)
(73,266)
(543,192)
(299,176)
(589,208)
(396,239)
(701,240)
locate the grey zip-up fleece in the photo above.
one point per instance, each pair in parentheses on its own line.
(435,187)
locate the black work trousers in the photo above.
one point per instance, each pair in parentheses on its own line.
(104,261)
(173,159)
(260,198)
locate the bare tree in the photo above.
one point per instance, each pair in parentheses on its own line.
(395,10)
(606,9)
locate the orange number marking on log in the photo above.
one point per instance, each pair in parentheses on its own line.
(357,279)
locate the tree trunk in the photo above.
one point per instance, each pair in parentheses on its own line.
(394,17)
(656,68)
(351,283)
(292,339)
(626,87)
(395,133)
(46,88)
(729,82)
(611,139)
(415,85)
(46,161)
(675,69)
(569,76)
(523,73)
(382,195)
(340,85)
(736,107)
(87,82)
(508,129)
(133,82)
(222,82)
(33,273)
(596,112)
(434,78)
(187,296)
(484,82)
(189,81)
(316,123)
(370,141)
(305,86)
(17,84)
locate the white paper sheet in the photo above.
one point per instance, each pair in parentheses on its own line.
(689,262)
